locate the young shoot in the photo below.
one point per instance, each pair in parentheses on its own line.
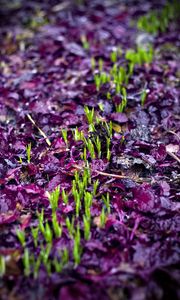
(87,228)
(90,147)
(101,106)
(41,221)
(93,63)
(70,226)
(28,153)
(109,128)
(36,265)
(64,196)
(104,77)
(113,56)
(35,232)
(54,198)
(48,233)
(100,62)
(108,95)
(57,265)
(102,217)
(143,97)
(107,202)
(78,204)
(118,88)
(2,266)
(98,146)
(84,42)
(77,246)
(95,186)
(20,160)
(78,135)
(44,254)
(21,237)
(26,262)
(122,78)
(108,155)
(65,256)
(97,79)
(89,114)
(56,226)
(88,197)
(84,154)
(64,135)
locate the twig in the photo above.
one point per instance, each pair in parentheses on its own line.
(113,175)
(123,177)
(40,130)
(170,131)
(173,156)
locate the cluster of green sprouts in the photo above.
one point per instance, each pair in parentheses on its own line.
(118,75)
(140,56)
(158,21)
(46,231)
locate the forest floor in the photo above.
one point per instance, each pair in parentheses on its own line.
(89,150)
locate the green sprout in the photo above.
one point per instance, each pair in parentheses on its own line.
(108,95)
(48,233)
(77,250)
(65,256)
(78,203)
(158,20)
(102,217)
(90,147)
(100,63)
(20,160)
(93,63)
(2,266)
(108,155)
(124,100)
(85,42)
(107,202)
(143,97)
(95,186)
(84,154)
(113,56)
(91,127)
(26,262)
(78,135)
(141,56)
(28,153)
(57,265)
(36,265)
(87,228)
(70,226)
(54,198)
(21,237)
(64,196)
(98,145)
(109,128)
(56,227)
(87,204)
(104,77)
(35,232)
(122,78)
(89,114)
(45,253)
(101,106)
(97,79)
(64,135)
(41,221)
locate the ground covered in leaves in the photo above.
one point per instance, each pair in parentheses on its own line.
(106,149)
